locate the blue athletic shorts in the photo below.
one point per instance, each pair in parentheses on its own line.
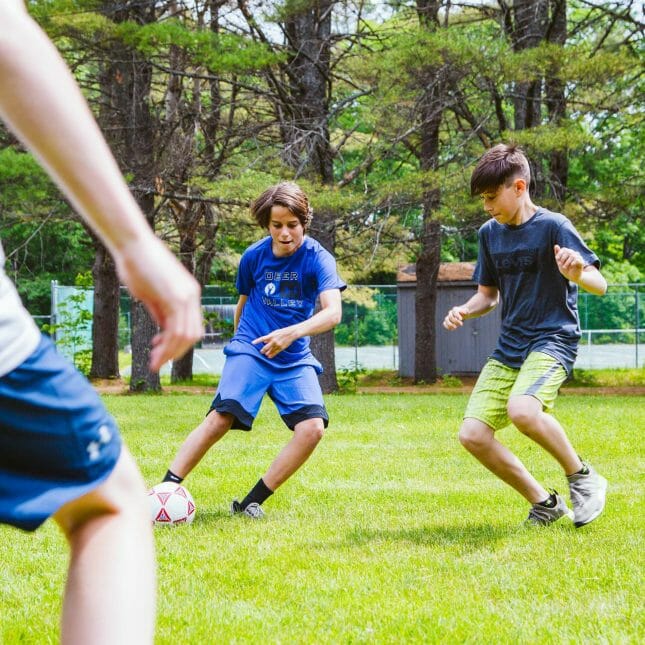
(245,380)
(57,441)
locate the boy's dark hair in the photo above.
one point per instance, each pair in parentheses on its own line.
(285,194)
(499,165)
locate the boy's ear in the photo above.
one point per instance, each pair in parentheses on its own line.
(519,185)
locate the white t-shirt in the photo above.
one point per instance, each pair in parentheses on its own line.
(19,335)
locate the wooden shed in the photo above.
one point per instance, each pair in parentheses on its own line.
(463,351)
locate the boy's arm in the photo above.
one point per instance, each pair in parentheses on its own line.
(481,303)
(327,318)
(43,105)
(238,311)
(572,267)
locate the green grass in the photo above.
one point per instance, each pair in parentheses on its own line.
(391,533)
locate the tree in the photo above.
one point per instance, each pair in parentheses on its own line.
(301,93)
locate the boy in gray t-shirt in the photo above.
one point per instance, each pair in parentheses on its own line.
(535,260)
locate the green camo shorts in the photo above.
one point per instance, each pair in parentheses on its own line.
(540,376)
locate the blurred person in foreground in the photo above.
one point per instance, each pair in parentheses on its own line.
(61,455)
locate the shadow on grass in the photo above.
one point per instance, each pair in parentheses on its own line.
(211,517)
(475,536)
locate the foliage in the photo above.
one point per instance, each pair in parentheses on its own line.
(371,323)
(348,378)
(226,88)
(73,325)
(40,241)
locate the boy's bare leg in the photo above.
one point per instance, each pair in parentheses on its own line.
(479,440)
(110,590)
(527,415)
(199,442)
(306,436)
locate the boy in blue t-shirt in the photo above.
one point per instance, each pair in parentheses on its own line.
(535,260)
(279,279)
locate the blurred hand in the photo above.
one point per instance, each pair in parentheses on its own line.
(171,295)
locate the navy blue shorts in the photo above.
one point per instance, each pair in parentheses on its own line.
(57,440)
(245,380)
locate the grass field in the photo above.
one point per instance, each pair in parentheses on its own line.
(391,533)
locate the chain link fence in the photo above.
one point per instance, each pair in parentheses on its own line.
(367,336)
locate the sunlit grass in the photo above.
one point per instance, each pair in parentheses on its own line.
(391,533)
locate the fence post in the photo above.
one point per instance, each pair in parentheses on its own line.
(637,321)
(53,308)
(355,337)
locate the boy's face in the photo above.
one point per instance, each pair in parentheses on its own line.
(286,231)
(504,202)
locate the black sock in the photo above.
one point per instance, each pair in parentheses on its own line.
(258,494)
(583,471)
(171,477)
(549,502)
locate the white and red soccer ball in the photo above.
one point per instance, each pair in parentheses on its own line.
(171,504)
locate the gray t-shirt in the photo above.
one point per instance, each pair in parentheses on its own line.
(19,335)
(539,305)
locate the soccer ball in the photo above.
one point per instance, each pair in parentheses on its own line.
(171,504)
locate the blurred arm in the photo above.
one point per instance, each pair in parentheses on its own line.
(42,104)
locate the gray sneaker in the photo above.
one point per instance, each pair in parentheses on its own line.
(253,510)
(587,495)
(543,515)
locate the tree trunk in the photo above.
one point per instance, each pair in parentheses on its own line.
(143,329)
(187,216)
(105,324)
(305,132)
(323,345)
(427,268)
(528,31)
(429,258)
(125,115)
(556,101)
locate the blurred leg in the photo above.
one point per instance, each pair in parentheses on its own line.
(110,591)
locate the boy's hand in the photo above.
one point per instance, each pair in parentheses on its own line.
(455,318)
(171,295)
(276,341)
(570,263)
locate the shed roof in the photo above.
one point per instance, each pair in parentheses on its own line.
(448,272)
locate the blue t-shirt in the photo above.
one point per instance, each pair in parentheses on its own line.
(539,305)
(281,291)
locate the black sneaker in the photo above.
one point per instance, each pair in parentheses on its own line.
(540,515)
(253,510)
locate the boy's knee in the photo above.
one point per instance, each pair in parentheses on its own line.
(311,431)
(217,424)
(474,435)
(523,413)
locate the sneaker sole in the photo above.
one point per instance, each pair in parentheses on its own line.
(603,490)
